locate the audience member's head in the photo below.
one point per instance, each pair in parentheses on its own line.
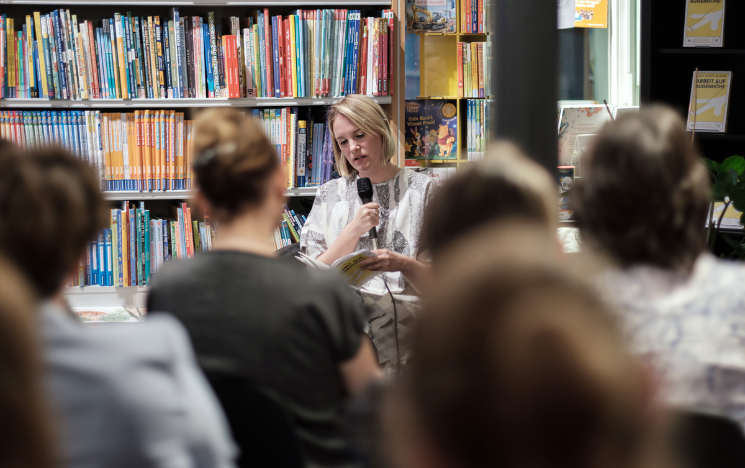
(51,206)
(235,163)
(644,194)
(505,186)
(516,365)
(25,440)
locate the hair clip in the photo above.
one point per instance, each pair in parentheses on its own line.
(209,154)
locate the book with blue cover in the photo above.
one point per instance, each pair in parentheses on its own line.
(431,129)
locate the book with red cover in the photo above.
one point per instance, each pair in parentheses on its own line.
(363,61)
(288,57)
(282,57)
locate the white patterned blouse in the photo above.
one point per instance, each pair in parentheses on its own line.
(691,328)
(402,202)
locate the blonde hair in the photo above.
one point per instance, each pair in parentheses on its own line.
(369,117)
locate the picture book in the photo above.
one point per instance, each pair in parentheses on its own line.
(730,219)
(431,16)
(712,102)
(347,266)
(431,129)
(439,175)
(704,25)
(575,121)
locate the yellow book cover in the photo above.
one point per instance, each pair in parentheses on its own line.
(131,146)
(105,144)
(704,23)
(256,62)
(120,53)
(172,150)
(188,153)
(125,246)
(157,129)
(163,134)
(147,148)
(11,53)
(83,75)
(114,122)
(29,53)
(712,102)
(474,70)
(153,60)
(293,56)
(137,141)
(42,62)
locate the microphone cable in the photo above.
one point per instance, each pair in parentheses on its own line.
(395,327)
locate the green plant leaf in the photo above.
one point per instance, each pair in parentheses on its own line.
(729,177)
(737,195)
(719,190)
(733,162)
(713,166)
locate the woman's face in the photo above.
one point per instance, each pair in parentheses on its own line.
(363,151)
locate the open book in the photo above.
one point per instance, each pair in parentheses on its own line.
(347,266)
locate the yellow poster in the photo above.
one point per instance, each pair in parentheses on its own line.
(591,13)
(711,102)
(704,23)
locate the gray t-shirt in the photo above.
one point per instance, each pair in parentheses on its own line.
(275,322)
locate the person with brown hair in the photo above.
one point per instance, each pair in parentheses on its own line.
(121,397)
(26,439)
(643,203)
(514,364)
(506,185)
(294,331)
(339,223)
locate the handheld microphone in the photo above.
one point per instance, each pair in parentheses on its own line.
(365,190)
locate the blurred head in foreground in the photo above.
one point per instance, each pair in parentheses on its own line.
(51,205)
(25,440)
(236,166)
(645,194)
(505,186)
(515,365)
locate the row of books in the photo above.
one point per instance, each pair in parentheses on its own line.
(319,53)
(133,151)
(475,16)
(477,127)
(473,72)
(302,144)
(135,246)
(309,53)
(288,231)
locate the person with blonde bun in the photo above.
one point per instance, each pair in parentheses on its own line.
(339,223)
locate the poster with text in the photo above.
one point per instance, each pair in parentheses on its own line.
(591,14)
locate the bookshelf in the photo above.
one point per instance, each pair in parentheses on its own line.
(160,201)
(438,73)
(667,68)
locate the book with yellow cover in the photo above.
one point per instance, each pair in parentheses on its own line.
(704,23)
(712,102)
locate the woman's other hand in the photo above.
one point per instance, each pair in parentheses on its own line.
(366,218)
(385,260)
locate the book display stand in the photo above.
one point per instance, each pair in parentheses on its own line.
(667,68)
(160,202)
(441,72)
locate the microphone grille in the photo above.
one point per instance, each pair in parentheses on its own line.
(364,186)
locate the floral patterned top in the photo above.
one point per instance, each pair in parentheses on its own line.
(402,202)
(691,328)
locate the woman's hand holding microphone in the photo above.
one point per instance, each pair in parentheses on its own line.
(366,218)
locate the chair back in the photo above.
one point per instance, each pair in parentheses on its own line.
(705,440)
(259,423)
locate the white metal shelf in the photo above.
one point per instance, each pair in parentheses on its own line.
(175,103)
(107,296)
(216,3)
(184,194)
